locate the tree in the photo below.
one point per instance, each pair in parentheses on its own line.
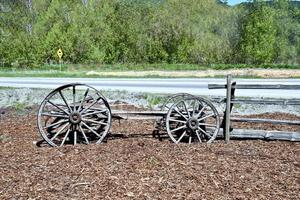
(258,35)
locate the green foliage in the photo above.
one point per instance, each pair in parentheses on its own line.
(258,35)
(20,107)
(288,32)
(141,31)
(270,33)
(153,100)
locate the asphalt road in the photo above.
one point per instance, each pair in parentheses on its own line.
(170,85)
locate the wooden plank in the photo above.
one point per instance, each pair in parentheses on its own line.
(256,120)
(148,113)
(257,86)
(266,101)
(216,86)
(138,117)
(227,112)
(262,134)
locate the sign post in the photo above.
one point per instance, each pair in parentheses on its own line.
(59,54)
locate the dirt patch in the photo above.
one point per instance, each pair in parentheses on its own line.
(137,166)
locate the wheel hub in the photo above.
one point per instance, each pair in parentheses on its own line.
(75,118)
(193,123)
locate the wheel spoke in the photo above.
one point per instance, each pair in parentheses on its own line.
(194,108)
(96,112)
(93,121)
(179,128)
(175,120)
(65,101)
(209,125)
(202,109)
(84,97)
(203,131)
(54,115)
(59,131)
(181,137)
(84,135)
(90,105)
(84,124)
(75,137)
(207,116)
(190,139)
(198,136)
(180,113)
(188,113)
(63,142)
(58,107)
(74,91)
(54,124)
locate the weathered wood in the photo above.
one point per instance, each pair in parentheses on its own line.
(256,86)
(256,120)
(266,101)
(262,134)
(257,134)
(137,115)
(227,112)
(148,113)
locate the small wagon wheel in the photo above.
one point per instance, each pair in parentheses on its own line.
(74,113)
(174,99)
(160,123)
(193,119)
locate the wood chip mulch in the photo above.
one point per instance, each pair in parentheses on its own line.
(138,166)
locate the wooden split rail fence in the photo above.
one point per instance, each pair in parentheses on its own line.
(230,100)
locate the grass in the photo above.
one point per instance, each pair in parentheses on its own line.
(6,88)
(20,107)
(78,70)
(148,67)
(154,100)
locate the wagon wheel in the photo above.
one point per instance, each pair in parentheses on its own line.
(193,119)
(174,99)
(168,103)
(160,123)
(74,113)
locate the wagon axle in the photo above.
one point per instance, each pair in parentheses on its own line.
(193,123)
(75,118)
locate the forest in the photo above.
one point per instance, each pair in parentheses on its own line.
(201,32)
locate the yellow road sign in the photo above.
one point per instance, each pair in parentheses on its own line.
(59,53)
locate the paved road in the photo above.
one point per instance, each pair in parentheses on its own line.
(190,85)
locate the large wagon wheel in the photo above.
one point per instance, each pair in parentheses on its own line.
(193,119)
(74,113)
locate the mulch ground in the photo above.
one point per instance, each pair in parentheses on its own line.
(138,166)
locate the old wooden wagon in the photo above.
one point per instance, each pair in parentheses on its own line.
(78,113)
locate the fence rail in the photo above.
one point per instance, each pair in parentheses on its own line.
(231,100)
(256,86)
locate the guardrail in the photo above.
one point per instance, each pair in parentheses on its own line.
(231,100)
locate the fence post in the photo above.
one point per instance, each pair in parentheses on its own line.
(227,113)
